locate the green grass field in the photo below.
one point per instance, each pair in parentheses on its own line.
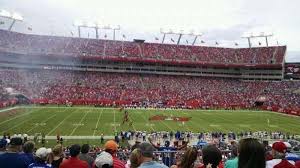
(89,121)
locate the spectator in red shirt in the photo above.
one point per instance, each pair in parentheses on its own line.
(279,158)
(297,164)
(74,161)
(111,147)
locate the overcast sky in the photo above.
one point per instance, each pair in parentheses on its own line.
(224,21)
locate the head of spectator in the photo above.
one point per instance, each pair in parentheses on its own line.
(288,147)
(111,147)
(135,158)
(251,154)
(146,151)
(234,150)
(74,150)
(104,160)
(167,143)
(211,155)
(278,150)
(15,144)
(56,157)
(3,143)
(85,148)
(84,155)
(42,154)
(57,150)
(188,158)
(28,147)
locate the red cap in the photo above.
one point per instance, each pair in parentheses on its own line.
(279,147)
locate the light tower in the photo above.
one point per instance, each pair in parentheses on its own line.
(180,33)
(96,26)
(262,34)
(12,16)
(196,34)
(113,28)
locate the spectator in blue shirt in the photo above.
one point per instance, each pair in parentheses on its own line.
(28,148)
(168,152)
(147,156)
(12,157)
(41,158)
(3,143)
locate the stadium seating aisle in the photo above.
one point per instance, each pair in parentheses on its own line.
(133,90)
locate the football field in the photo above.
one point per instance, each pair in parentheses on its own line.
(91,121)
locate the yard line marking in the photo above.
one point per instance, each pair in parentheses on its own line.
(148,122)
(20,123)
(60,123)
(167,126)
(115,120)
(132,123)
(98,122)
(26,113)
(79,122)
(44,121)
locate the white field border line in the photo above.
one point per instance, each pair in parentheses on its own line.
(20,123)
(60,123)
(99,117)
(44,121)
(8,109)
(86,113)
(21,115)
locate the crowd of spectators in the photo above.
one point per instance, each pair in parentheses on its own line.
(245,153)
(13,42)
(137,90)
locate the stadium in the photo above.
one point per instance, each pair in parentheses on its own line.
(79,89)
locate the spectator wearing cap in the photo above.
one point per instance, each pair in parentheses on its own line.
(74,161)
(111,147)
(28,152)
(104,160)
(3,143)
(41,158)
(147,156)
(12,157)
(279,160)
(84,155)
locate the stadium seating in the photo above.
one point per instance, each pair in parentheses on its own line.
(65,46)
(57,87)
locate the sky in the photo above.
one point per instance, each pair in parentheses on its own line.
(224,21)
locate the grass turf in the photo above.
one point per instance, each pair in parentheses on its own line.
(89,121)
